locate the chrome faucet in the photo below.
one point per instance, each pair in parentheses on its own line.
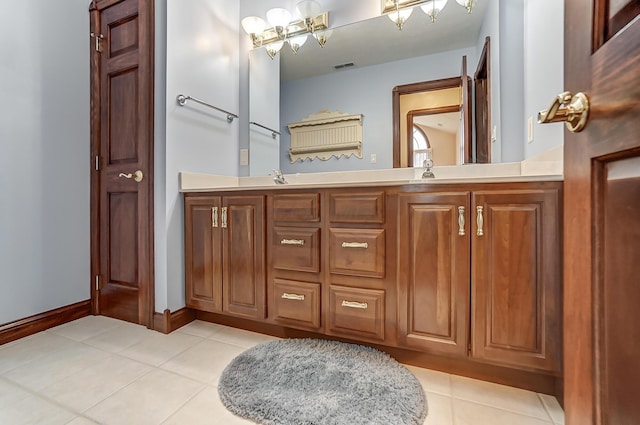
(428,164)
(278,177)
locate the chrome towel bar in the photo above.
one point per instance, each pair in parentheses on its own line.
(182,100)
(273,132)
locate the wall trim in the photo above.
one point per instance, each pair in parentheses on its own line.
(43,321)
(167,321)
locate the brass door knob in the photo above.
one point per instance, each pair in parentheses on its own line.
(137,175)
(569,108)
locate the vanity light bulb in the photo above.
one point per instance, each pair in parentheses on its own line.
(433,8)
(253,25)
(322,36)
(296,42)
(274,48)
(278,18)
(308,9)
(399,17)
(467,4)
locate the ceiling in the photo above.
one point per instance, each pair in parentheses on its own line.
(378,40)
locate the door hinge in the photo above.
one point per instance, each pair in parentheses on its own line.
(97,282)
(98,38)
(97,163)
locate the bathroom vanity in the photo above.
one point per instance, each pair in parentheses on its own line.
(458,273)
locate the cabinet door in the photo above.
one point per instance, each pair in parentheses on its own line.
(516,281)
(244,256)
(203,255)
(433,272)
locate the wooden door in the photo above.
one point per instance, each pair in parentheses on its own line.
(515,279)
(433,272)
(243,239)
(203,253)
(122,144)
(602,215)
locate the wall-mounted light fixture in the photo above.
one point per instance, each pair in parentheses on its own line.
(400,10)
(312,21)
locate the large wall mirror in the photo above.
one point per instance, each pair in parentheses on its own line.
(361,64)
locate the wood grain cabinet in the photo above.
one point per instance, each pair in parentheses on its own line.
(516,277)
(224,254)
(433,272)
(294,271)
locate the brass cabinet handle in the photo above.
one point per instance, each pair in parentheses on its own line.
(354,304)
(569,108)
(364,245)
(299,242)
(137,176)
(479,221)
(214,217)
(294,297)
(224,217)
(461,221)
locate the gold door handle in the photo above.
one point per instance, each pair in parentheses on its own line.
(479,221)
(569,108)
(137,176)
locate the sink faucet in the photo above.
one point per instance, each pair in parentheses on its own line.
(428,164)
(278,177)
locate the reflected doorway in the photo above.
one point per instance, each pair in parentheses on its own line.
(438,129)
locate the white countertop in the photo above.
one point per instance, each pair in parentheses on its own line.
(537,170)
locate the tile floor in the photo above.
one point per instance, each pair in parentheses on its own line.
(98,370)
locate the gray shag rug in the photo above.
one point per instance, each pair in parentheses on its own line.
(319,382)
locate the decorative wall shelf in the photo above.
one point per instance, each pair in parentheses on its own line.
(326,134)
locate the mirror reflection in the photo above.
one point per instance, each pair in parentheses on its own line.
(361,64)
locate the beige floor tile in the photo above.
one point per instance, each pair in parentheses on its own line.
(82,421)
(469,413)
(201,328)
(157,348)
(204,361)
(86,327)
(205,409)
(240,337)
(432,380)
(89,386)
(500,396)
(147,401)
(56,366)
(553,408)
(18,407)
(119,338)
(23,351)
(440,410)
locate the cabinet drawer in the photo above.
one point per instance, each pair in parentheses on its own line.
(365,207)
(357,252)
(296,249)
(303,207)
(357,311)
(296,303)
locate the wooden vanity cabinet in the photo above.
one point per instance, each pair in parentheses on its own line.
(358,301)
(224,254)
(294,272)
(433,272)
(516,277)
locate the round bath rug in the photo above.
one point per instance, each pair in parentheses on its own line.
(319,382)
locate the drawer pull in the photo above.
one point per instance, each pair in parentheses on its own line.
(354,304)
(214,216)
(480,221)
(364,245)
(461,221)
(299,242)
(294,297)
(224,217)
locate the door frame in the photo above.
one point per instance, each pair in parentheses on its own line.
(146,12)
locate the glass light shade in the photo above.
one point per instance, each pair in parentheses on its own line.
(308,9)
(399,17)
(253,25)
(322,36)
(434,7)
(296,42)
(467,4)
(274,48)
(278,17)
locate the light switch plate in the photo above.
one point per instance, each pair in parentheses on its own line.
(244,156)
(530,130)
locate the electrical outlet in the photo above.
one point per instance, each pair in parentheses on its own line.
(244,156)
(374,158)
(530,130)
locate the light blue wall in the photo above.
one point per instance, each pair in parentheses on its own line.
(45,162)
(366,91)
